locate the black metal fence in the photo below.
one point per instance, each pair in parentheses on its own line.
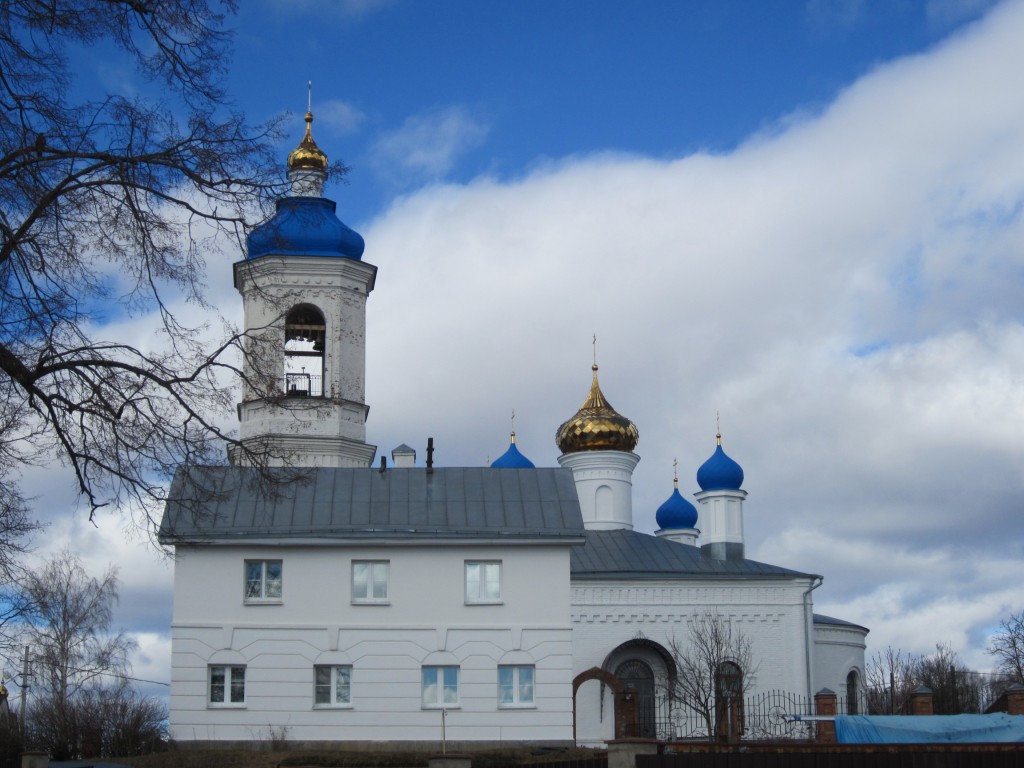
(303,385)
(764,716)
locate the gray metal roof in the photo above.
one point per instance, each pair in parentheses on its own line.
(223,503)
(822,619)
(623,555)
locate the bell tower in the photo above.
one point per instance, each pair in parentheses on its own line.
(304,288)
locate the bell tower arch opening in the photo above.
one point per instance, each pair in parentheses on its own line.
(305,333)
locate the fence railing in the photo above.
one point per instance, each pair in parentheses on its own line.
(303,385)
(766,715)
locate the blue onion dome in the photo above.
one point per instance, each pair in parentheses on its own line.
(597,426)
(676,512)
(512,458)
(305,226)
(720,473)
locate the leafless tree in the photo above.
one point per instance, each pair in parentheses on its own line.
(893,676)
(107,209)
(955,688)
(715,668)
(1007,645)
(890,681)
(68,628)
(102,720)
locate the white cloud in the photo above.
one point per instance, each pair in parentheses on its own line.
(341,118)
(843,288)
(427,146)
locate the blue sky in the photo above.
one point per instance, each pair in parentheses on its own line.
(501,87)
(803,216)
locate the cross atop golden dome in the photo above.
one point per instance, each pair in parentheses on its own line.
(307,156)
(597,426)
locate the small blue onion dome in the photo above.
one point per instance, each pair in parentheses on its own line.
(720,473)
(512,458)
(305,226)
(676,512)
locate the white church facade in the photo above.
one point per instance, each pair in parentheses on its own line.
(322,599)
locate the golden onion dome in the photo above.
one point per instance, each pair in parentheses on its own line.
(597,426)
(307,156)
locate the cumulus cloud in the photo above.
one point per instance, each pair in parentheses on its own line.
(340,117)
(427,145)
(843,288)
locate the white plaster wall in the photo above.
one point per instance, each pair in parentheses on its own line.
(606,615)
(837,651)
(721,516)
(426,621)
(604,484)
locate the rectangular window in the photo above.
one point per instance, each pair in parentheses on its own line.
(263,581)
(369,581)
(227,685)
(515,686)
(483,581)
(440,686)
(332,686)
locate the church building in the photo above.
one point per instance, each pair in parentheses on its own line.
(321,598)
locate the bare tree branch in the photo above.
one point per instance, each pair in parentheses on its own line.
(107,208)
(715,668)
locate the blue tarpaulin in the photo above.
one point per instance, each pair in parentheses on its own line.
(928,729)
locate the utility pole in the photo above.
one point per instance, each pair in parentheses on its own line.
(892,692)
(24,689)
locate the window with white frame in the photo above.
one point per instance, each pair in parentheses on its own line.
(263,581)
(227,685)
(515,685)
(440,686)
(332,686)
(370,581)
(483,581)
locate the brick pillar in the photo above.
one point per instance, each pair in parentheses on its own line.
(1015,699)
(825,706)
(921,701)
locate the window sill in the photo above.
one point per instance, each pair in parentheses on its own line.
(268,601)
(517,706)
(332,706)
(371,602)
(440,706)
(484,602)
(224,705)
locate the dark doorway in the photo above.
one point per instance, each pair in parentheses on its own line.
(637,675)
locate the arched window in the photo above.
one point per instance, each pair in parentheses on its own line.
(637,674)
(729,701)
(852,693)
(304,335)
